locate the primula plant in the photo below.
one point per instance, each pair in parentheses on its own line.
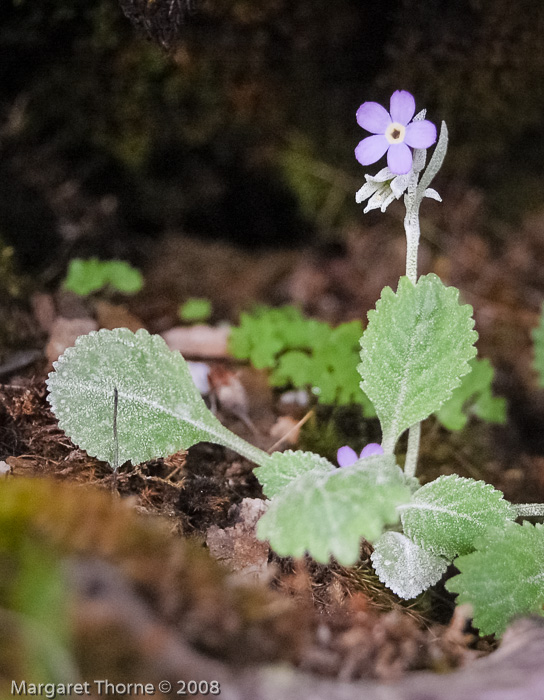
(127,397)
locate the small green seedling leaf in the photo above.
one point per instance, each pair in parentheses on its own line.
(328,513)
(159,409)
(303,353)
(194,310)
(284,467)
(87,276)
(414,351)
(448,514)
(504,577)
(405,567)
(538,339)
(474,395)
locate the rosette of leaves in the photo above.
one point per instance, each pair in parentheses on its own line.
(314,507)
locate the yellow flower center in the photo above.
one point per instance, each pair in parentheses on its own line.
(395,132)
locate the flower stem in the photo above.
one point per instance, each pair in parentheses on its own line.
(411,227)
(414,435)
(529,509)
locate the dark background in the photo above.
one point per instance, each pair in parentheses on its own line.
(245,128)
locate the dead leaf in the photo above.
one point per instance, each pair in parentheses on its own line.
(238,547)
(198,341)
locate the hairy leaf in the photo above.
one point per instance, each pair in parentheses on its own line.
(474,396)
(414,351)
(448,514)
(405,567)
(159,409)
(328,513)
(283,467)
(504,577)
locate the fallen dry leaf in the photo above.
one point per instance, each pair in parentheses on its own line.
(238,547)
(198,341)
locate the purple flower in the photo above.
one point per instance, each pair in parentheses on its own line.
(394,131)
(346,456)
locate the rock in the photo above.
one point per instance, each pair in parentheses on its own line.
(64,333)
(199,341)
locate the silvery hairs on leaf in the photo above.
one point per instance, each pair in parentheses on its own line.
(159,410)
(405,567)
(326,511)
(414,351)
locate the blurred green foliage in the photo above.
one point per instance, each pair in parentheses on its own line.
(538,340)
(303,352)
(34,631)
(87,276)
(473,396)
(195,310)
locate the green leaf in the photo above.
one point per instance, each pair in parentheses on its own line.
(294,367)
(405,567)
(87,276)
(284,467)
(538,339)
(328,513)
(303,353)
(448,514)
(504,577)
(474,396)
(414,351)
(195,310)
(123,277)
(160,411)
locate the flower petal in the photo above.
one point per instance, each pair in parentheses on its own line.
(433,194)
(346,456)
(380,200)
(420,134)
(373,117)
(371,449)
(403,106)
(371,149)
(399,185)
(399,158)
(366,191)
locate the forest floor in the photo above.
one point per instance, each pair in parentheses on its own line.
(336,622)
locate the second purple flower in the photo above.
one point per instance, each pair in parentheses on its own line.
(394,132)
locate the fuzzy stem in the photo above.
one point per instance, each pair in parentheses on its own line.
(223,436)
(414,435)
(529,509)
(411,226)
